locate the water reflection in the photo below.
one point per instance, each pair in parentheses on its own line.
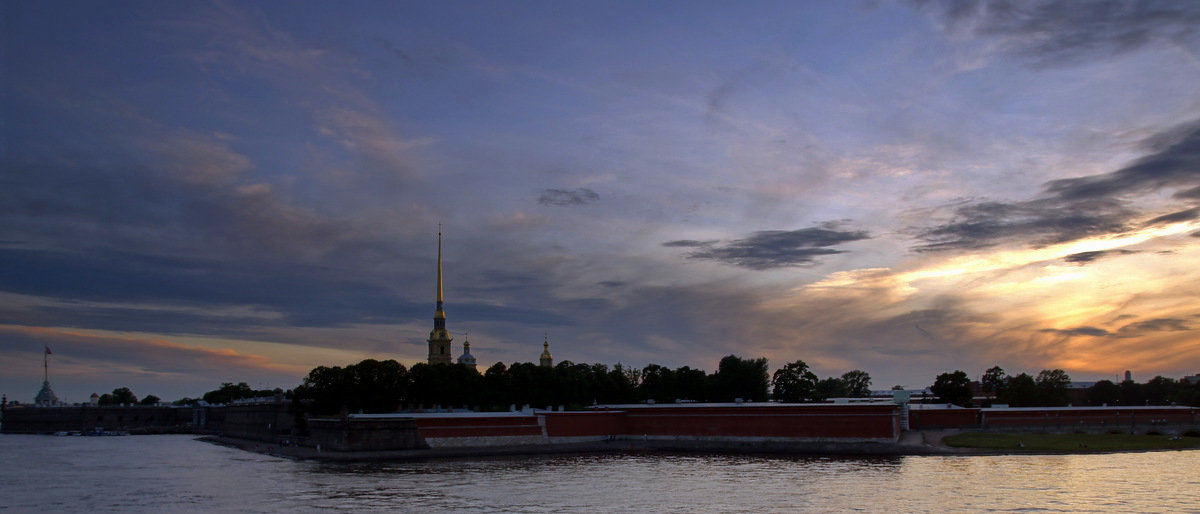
(175,473)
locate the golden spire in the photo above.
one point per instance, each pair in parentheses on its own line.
(439,337)
(441,313)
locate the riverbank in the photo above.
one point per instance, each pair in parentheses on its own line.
(913,444)
(928,442)
(1067,443)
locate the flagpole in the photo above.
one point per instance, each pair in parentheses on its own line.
(45,365)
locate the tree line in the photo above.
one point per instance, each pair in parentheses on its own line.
(386,386)
(125,396)
(1050,389)
(228,392)
(374,386)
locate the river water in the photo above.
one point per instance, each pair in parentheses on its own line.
(175,473)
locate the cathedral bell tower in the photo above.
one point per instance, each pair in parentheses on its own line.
(547,360)
(439,337)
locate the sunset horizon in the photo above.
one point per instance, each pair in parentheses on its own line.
(210,192)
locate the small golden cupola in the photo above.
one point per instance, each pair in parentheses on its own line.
(466,358)
(547,360)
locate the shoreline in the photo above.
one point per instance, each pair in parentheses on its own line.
(896,449)
(921,443)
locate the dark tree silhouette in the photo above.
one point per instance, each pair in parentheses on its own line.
(1052,387)
(1021,391)
(1104,392)
(858,383)
(119,396)
(740,378)
(794,382)
(993,381)
(831,387)
(953,388)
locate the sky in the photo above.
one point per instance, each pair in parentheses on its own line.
(194,193)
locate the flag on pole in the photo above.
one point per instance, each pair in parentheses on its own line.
(48,352)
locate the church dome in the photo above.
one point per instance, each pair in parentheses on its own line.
(466,357)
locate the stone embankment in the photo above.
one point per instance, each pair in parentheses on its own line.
(912,443)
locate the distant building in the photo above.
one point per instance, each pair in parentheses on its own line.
(466,359)
(439,337)
(1128,376)
(45,397)
(547,360)
(1192,379)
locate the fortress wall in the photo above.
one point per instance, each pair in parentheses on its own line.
(936,419)
(576,427)
(258,421)
(500,430)
(1067,418)
(769,422)
(365,435)
(134,418)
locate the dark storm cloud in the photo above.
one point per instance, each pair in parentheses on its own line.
(563,197)
(1174,163)
(1141,328)
(1058,31)
(773,248)
(99,241)
(1176,217)
(123,319)
(296,294)
(1045,221)
(1078,331)
(1080,207)
(179,225)
(1087,257)
(119,203)
(1190,194)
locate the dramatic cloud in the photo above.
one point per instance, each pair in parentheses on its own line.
(1045,221)
(1053,31)
(1176,217)
(1086,257)
(295,294)
(1175,163)
(1191,194)
(1154,325)
(1078,207)
(773,248)
(1079,331)
(564,197)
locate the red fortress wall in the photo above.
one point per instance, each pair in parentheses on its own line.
(780,421)
(1055,418)
(732,422)
(1052,418)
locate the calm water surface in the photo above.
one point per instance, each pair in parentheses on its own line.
(179,474)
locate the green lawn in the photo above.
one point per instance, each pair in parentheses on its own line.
(1068,442)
